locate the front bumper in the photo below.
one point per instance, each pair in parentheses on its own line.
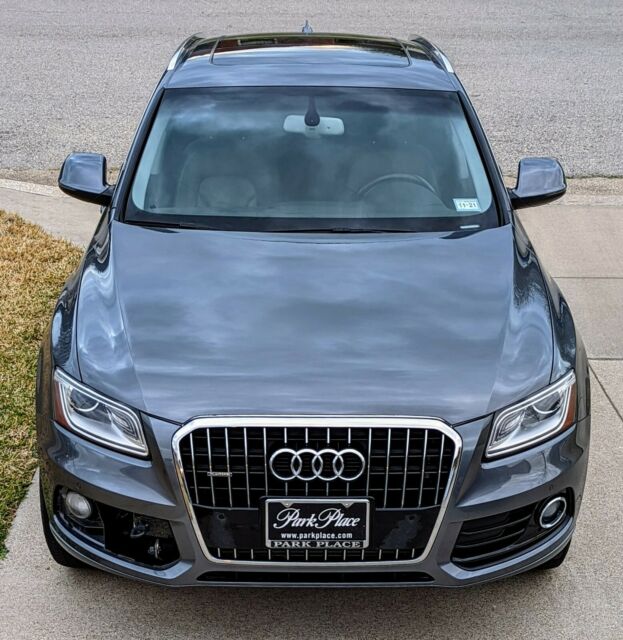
(152,488)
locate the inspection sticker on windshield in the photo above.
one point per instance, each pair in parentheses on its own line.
(467,204)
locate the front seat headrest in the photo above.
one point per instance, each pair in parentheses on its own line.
(227,192)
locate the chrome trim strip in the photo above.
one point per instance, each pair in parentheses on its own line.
(446,63)
(192,453)
(389,450)
(246,466)
(348,483)
(201,541)
(307,483)
(184,49)
(355,422)
(174,58)
(441,448)
(328,488)
(231,499)
(326,551)
(265,462)
(423,470)
(285,440)
(208,438)
(369,457)
(435,52)
(404,476)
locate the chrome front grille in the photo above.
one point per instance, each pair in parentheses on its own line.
(223,464)
(227,467)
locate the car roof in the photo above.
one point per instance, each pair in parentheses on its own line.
(302,59)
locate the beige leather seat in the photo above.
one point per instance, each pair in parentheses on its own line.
(221,177)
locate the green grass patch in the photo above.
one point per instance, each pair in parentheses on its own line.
(33,268)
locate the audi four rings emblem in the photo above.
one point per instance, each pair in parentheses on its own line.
(308,464)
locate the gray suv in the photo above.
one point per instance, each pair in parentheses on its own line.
(310,341)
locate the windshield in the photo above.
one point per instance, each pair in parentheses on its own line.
(312,159)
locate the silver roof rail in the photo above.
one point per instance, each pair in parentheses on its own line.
(434,52)
(184,49)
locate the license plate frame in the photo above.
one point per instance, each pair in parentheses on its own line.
(315,536)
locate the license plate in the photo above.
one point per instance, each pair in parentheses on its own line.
(317,523)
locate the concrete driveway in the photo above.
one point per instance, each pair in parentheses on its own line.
(582,245)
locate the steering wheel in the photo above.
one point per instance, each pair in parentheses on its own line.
(397,177)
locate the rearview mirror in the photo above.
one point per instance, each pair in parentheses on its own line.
(539,180)
(83,176)
(324,126)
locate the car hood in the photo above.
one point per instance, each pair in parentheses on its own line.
(185,323)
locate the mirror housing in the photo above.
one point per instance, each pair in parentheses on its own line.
(83,176)
(539,180)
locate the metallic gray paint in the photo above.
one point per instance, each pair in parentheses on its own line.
(539,180)
(183,323)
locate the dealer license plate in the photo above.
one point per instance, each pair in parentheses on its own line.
(317,523)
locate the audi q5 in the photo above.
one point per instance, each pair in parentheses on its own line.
(310,341)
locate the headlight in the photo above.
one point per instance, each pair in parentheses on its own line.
(535,419)
(96,417)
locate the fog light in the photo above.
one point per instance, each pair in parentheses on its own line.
(77,505)
(552,512)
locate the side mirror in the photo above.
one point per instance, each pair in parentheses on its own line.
(83,176)
(539,180)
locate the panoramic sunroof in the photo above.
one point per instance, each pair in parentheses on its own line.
(319,49)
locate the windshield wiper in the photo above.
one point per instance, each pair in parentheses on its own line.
(169,225)
(338,230)
(191,225)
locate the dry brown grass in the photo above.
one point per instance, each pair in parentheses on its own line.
(33,268)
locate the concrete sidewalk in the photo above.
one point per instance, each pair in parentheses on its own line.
(581,244)
(50,208)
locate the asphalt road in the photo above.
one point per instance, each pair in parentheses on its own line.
(546,76)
